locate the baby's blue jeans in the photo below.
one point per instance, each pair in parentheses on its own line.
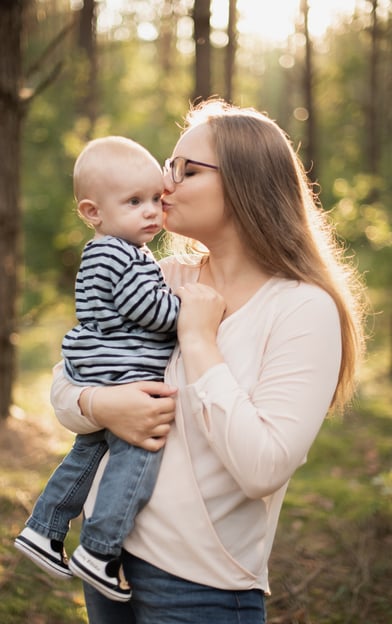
(126,486)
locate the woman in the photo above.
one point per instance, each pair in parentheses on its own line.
(270,333)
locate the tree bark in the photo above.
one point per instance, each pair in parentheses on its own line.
(87,42)
(310,144)
(11,112)
(201,19)
(373,94)
(167,37)
(231,50)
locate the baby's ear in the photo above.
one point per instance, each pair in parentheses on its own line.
(89,212)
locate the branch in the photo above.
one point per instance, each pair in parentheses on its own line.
(49,49)
(299,588)
(51,77)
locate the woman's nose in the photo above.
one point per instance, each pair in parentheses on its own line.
(168,183)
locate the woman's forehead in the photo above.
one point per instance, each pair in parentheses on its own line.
(197,139)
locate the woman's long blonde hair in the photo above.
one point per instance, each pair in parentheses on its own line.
(270,199)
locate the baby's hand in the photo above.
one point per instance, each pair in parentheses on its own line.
(202,310)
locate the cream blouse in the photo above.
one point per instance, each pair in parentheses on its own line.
(240,433)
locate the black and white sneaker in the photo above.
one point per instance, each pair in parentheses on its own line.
(106,576)
(48,554)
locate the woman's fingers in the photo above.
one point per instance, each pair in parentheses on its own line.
(153,444)
(156,388)
(133,413)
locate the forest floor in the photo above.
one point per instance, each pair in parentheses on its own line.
(31,445)
(331,562)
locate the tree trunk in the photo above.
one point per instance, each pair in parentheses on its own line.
(373,150)
(87,42)
(11,19)
(201,19)
(230,50)
(310,144)
(166,38)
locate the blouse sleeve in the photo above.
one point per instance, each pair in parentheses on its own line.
(263,435)
(64,397)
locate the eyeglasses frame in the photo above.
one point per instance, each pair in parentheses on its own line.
(169,166)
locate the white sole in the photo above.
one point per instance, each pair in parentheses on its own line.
(42,560)
(79,570)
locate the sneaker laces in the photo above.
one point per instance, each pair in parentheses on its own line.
(58,547)
(115,569)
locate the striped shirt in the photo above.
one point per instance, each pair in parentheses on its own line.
(127,316)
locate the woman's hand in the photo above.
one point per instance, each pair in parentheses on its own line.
(132,411)
(201,312)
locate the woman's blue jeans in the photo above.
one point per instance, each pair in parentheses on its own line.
(161,598)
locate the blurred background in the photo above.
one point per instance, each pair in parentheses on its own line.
(72,70)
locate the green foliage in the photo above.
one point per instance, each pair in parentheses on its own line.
(340,478)
(134,99)
(143,88)
(334,532)
(330,559)
(363,218)
(337,514)
(32,444)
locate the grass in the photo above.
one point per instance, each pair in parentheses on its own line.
(32,444)
(331,560)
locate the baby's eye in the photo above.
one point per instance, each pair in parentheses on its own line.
(157,198)
(134,201)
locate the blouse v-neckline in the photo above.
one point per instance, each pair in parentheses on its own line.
(248,302)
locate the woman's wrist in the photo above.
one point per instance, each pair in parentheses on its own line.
(198,357)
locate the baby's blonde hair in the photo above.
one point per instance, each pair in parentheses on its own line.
(96,157)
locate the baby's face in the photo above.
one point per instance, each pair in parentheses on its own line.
(129,203)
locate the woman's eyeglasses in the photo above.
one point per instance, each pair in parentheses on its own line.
(178,165)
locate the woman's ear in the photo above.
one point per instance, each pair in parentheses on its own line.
(89,212)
